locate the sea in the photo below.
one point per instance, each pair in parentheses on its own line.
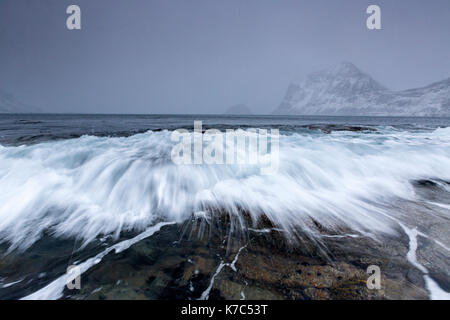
(75,189)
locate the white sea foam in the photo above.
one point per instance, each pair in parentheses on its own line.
(441,205)
(10,284)
(232,265)
(94,186)
(435,291)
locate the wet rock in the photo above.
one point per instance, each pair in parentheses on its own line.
(179,262)
(317,294)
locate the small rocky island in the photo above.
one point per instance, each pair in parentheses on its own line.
(238,109)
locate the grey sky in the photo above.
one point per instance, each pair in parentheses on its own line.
(201,56)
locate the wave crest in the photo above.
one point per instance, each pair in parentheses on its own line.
(90,186)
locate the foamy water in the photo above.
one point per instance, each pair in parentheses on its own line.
(91,186)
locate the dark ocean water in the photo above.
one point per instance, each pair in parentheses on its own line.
(16,129)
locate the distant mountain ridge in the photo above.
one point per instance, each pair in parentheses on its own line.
(239,109)
(8,104)
(346,90)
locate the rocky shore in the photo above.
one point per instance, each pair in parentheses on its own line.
(260,265)
(210,259)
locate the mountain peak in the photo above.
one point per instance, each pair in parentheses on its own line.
(343,69)
(341,79)
(343,89)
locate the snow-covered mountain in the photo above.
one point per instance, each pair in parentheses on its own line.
(346,90)
(8,104)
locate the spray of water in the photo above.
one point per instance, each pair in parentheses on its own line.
(91,186)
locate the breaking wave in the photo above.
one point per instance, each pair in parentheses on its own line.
(91,186)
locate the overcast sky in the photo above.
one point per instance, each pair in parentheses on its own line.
(202,56)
